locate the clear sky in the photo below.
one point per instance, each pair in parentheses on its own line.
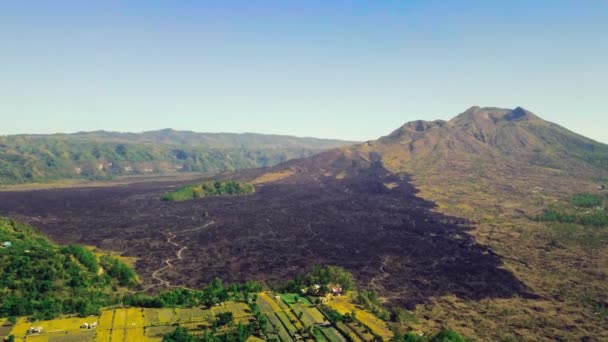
(341,69)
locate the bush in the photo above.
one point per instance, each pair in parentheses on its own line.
(588,200)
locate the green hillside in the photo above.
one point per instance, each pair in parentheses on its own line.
(103,155)
(41,279)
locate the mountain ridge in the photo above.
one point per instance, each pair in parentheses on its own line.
(103,155)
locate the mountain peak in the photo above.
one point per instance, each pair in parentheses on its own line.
(492,115)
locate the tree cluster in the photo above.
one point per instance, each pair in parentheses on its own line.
(211,188)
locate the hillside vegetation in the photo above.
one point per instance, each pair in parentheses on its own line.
(103,155)
(210,188)
(41,279)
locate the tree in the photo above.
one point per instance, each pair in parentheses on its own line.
(179,335)
(224,318)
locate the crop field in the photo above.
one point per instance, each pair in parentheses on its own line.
(103,334)
(303,315)
(267,304)
(316,315)
(195,315)
(157,333)
(135,317)
(118,335)
(318,334)
(346,330)
(151,317)
(134,334)
(344,305)
(166,315)
(106,319)
(332,335)
(291,329)
(279,328)
(120,319)
(361,330)
(293,298)
(77,336)
(21,327)
(238,309)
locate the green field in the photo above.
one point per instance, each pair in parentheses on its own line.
(293,298)
(332,334)
(279,328)
(318,334)
(287,323)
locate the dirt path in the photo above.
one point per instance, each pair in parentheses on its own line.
(168,262)
(384,275)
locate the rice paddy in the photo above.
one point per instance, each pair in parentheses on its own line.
(289,316)
(344,305)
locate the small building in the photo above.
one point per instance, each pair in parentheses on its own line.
(601,187)
(337,290)
(85,325)
(93,325)
(34,330)
(6,244)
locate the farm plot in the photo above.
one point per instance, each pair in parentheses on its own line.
(134,325)
(361,330)
(37,338)
(194,315)
(287,323)
(76,336)
(344,305)
(318,334)
(294,298)
(316,315)
(267,304)
(151,317)
(134,334)
(66,324)
(166,316)
(135,318)
(304,316)
(21,327)
(200,315)
(106,319)
(279,328)
(347,331)
(120,319)
(157,333)
(5,330)
(332,335)
(218,309)
(118,335)
(238,309)
(103,335)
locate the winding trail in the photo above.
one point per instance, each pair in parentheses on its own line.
(169,262)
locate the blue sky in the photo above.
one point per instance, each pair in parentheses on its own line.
(341,69)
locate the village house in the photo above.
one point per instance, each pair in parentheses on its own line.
(34,330)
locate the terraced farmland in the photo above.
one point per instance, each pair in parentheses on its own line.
(345,305)
(288,316)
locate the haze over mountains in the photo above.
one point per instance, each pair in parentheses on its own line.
(101,154)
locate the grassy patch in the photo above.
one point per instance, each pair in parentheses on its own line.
(569,234)
(293,298)
(588,200)
(594,218)
(211,188)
